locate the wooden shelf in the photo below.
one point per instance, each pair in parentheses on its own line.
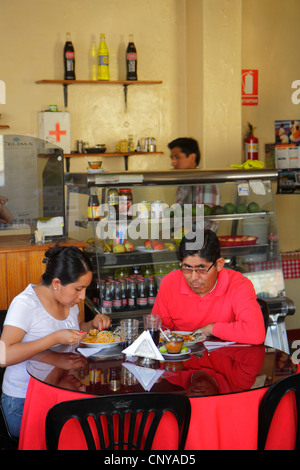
(107,154)
(125,84)
(4,127)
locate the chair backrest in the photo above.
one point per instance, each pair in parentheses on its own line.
(269,403)
(138,417)
(265,311)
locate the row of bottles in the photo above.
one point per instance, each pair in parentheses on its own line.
(119,204)
(127,294)
(130,288)
(99,60)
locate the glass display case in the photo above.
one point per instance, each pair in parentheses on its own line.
(134,224)
(31,187)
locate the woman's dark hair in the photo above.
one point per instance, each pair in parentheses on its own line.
(210,249)
(187,145)
(67,263)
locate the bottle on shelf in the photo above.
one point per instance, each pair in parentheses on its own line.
(131,60)
(113,203)
(117,300)
(132,299)
(272,242)
(123,293)
(125,204)
(93,208)
(103,59)
(107,301)
(142,298)
(93,62)
(69,59)
(151,292)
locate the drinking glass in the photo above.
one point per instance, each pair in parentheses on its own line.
(129,331)
(152,323)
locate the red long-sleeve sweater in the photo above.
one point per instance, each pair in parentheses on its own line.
(232,306)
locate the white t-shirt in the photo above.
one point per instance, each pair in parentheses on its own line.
(27,312)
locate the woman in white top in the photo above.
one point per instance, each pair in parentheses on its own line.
(41,317)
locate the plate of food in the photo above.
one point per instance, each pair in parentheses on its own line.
(237,240)
(189,339)
(184,351)
(103,339)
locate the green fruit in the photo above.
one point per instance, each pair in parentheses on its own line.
(218,210)
(241,208)
(253,207)
(229,208)
(207,209)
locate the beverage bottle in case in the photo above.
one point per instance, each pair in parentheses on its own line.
(93,207)
(132,300)
(117,300)
(131,60)
(69,59)
(107,302)
(151,292)
(123,293)
(142,299)
(103,59)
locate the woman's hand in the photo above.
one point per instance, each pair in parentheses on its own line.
(70,337)
(101,322)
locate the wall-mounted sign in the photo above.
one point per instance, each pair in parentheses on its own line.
(249,87)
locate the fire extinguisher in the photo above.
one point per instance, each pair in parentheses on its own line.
(251,145)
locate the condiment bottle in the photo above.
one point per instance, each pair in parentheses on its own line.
(93,208)
(103,59)
(69,59)
(131,60)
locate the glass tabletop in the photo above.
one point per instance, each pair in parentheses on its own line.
(205,371)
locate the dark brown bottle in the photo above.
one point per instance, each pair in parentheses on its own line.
(131,60)
(69,59)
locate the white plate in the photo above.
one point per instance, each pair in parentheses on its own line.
(100,345)
(96,170)
(186,343)
(169,356)
(143,249)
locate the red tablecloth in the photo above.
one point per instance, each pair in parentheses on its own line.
(224,422)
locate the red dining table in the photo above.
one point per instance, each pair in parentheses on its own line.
(225,386)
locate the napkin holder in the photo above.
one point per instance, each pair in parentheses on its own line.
(144,346)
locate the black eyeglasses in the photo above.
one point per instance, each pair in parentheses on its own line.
(186,269)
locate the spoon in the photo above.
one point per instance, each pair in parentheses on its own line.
(164,335)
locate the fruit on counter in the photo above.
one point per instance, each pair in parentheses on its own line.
(170,246)
(119,249)
(156,245)
(253,207)
(229,208)
(241,208)
(147,244)
(128,246)
(217,210)
(207,209)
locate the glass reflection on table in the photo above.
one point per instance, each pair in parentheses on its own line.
(203,372)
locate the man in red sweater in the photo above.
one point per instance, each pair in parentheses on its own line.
(203,294)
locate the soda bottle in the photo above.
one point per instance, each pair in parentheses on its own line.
(131,60)
(107,302)
(113,203)
(117,300)
(93,208)
(151,292)
(69,59)
(93,62)
(123,293)
(142,294)
(103,59)
(132,300)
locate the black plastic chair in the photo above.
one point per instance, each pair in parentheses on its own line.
(269,403)
(134,412)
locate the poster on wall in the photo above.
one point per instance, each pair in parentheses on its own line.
(249,87)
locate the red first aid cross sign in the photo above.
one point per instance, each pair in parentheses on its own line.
(57,132)
(249,87)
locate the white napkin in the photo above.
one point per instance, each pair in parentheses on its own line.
(87,352)
(144,346)
(146,377)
